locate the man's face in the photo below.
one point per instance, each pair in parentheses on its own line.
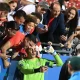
(29,26)
(20,20)
(56,10)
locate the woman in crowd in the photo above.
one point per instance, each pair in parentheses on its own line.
(71,20)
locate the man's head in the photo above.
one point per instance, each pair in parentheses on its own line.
(55,9)
(4,9)
(38,16)
(11,28)
(30,23)
(42,7)
(20,16)
(74,64)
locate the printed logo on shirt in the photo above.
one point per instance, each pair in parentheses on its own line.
(38,64)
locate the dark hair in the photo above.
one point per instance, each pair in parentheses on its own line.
(38,15)
(20,13)
(31,37)
(12,25)
(11,2)
(52,4)
(73,23)
(30,18)
(4,7)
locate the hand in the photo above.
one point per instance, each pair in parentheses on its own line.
(4,56)
(43,69)
(63,38)
(68,45)
(49,49)
(46,28)
(77,33)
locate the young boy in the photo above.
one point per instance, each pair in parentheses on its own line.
(35,67)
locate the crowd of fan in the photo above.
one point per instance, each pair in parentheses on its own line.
(25,25)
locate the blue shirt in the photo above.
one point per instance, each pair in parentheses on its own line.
(75,76)
(22,30)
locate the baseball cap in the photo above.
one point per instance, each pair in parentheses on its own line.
(44,4)
(75,63)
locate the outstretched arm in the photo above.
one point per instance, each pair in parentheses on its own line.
(58,60)
(25,2)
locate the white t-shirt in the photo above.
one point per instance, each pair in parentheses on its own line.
(33,1)
(10,16)
(28,9)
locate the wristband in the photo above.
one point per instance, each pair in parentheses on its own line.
(36,70)
(54,53)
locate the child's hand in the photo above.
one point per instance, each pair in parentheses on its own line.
(43,69)
(49,49)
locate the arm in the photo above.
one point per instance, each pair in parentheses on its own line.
(25,2)
(5,47)
(3,56)
(24,70)
(58,60)
(76,34)
(56,56)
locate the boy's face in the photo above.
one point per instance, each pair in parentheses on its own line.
(20,20)
(32,51)
(29,26)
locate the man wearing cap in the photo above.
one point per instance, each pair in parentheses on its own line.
(74,68)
